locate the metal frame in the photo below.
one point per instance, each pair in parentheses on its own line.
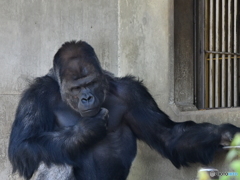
(216,71)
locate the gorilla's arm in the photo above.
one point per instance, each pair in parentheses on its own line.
(182,143)
(34,137)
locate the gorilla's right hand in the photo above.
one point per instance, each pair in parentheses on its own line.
(96,125)
(103,115)
(82,136)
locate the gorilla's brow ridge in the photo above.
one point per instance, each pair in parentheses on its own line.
(85,80)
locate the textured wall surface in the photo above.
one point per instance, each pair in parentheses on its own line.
(129,36)
(31,31)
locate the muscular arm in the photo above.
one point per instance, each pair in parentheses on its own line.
(66,144)
(33,138)
(182,143)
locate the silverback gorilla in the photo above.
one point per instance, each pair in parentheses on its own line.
(82,116)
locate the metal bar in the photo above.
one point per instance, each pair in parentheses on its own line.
(195,12)
(204,34)
(217,92)
(223,93)
(225,58)
(202,64)
(226,53)
(235,72)
(211,76)
(229,70)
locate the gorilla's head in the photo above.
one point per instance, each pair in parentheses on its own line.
(82,83)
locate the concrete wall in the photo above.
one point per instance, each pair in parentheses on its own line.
(31,31)
(129,36)
(146,49)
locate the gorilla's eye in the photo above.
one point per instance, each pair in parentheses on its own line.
(90,83)
(75,77)
(75,89)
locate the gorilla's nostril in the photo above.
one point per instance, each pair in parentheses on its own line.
(84,100)
(89,98)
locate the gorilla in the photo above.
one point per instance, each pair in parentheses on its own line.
(84,117)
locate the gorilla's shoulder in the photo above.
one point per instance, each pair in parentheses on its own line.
(130,89)
(132,84)
(42,87)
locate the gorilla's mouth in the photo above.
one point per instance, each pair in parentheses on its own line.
(90,112)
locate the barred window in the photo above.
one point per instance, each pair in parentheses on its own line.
(217,53)
(206,54)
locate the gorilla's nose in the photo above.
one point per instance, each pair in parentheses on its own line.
(87,99)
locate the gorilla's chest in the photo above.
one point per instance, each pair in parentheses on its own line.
(113,154)
(116,108)
(65,116)
(116,117)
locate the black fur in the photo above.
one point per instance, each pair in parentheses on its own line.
(103,145)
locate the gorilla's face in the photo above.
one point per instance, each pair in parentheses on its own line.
(83,87)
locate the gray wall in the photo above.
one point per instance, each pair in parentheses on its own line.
(31,31)
(129,36)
